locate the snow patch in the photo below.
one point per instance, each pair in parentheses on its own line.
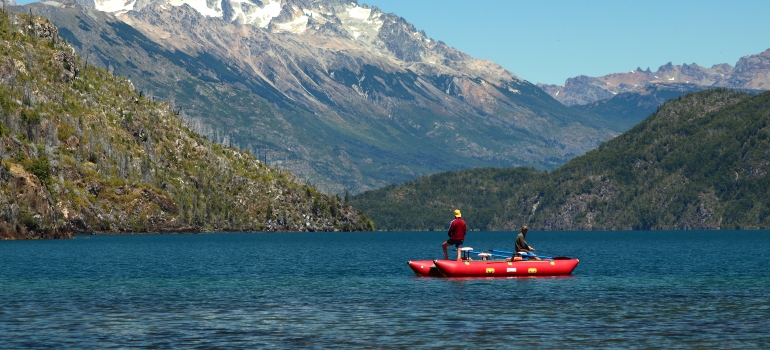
(258,16)
(354,31)
(114,6)
(297,26)
(359,13)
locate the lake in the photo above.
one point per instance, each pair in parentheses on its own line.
(658,289)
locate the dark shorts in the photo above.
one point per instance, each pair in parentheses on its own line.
(456,243)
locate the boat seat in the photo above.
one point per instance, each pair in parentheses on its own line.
(484,256)
(466,253)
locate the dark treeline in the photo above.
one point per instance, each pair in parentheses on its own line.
(700,162)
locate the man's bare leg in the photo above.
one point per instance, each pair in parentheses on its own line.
(443,246)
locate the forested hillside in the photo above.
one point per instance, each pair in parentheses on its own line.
(81,150)
(700,162)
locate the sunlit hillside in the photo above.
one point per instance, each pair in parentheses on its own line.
(84,151)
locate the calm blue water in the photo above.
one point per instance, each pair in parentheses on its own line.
(688,289)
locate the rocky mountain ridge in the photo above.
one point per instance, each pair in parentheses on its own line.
(750,73)
(341,94)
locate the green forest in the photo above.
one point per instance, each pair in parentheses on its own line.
(81,150)
(701,161)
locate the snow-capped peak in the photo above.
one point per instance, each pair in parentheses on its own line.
(114,6)
(359,21)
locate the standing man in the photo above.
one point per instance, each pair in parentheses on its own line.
(456,234)
(521,242)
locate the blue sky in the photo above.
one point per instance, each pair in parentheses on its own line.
(549,41)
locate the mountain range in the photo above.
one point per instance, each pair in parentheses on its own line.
(341,94)
(751,73)
(700,162)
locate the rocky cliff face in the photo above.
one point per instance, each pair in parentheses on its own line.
(27,211)
(341,94)
(750,73)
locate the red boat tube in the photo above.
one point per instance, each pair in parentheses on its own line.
(424,268)
(503,268)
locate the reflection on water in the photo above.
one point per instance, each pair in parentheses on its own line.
(686,289)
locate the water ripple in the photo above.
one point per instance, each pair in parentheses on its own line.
(355,291)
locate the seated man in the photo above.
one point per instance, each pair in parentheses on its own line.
(521,242)
(522,248)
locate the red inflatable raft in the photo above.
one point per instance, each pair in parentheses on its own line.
(559,266)
(424,268)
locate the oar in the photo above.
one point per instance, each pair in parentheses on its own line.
(558,257)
